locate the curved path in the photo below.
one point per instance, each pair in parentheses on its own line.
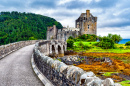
(16,70)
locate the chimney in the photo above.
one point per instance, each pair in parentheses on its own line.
(55,31)
(88,13)
(95,19)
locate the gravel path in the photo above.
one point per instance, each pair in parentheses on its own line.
(16,70)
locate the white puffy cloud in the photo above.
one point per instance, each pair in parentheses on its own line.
(123,31)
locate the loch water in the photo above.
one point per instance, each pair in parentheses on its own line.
(123,41)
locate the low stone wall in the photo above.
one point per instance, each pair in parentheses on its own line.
(61,74)
(7,49)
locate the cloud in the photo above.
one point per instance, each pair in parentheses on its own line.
(113,15)
(61,2)
(124,31)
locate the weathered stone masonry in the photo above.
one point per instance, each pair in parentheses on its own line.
(87,23)
(7,49)
(61,74)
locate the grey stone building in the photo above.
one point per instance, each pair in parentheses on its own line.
(85,24)
(61,34)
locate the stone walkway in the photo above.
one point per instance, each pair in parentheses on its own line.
(16,70)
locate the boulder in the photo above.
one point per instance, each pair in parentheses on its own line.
(108,82)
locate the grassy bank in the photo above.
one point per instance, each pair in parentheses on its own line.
(119,48)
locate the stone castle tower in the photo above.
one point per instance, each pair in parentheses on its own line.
(87,23)
(52,32)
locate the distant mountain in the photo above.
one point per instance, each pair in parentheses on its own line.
(16,26)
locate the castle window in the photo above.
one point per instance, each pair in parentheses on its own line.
(88,26)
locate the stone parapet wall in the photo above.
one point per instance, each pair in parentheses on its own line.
(61,74)
(7,49)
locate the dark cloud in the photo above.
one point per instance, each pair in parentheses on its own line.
(118,23)
(82,4)
(15,4)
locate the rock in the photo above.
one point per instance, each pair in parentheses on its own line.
(90,74)
(47,84)
(97,82)
(87,77)
(106,59)
(97,59)
(117,84)
(108,82)
(69,62)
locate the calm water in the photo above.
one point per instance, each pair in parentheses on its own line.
(123,41)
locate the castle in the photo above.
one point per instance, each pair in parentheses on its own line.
(85,24)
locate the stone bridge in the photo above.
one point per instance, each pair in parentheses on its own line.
(53,47)
(16,70)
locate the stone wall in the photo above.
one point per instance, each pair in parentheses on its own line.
(9,48)
(61,74)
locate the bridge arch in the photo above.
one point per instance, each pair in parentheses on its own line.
(53,49)
(64,48)
(59,49)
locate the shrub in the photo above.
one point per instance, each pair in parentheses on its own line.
(106,43)
(86,47)
(127,43)
(84,37)
(127,47)
(88,37)
(76,39)
(80,44)
(70,43)
(121,47)
(116,38)
(70,37)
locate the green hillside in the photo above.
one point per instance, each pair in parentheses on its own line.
(16,26)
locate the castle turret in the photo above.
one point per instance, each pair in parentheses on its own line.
(48,37)
(55,31)
(88,13)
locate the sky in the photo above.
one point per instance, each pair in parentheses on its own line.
(113,15)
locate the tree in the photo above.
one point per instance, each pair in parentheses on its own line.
(70,43)
(18,26)
(116,38)
(83,37)
(106,43)
(110,36)
(70,37)
(127,43)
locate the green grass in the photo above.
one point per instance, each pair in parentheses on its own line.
(120,48)
(86,43)
(109,73)
(125,83)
